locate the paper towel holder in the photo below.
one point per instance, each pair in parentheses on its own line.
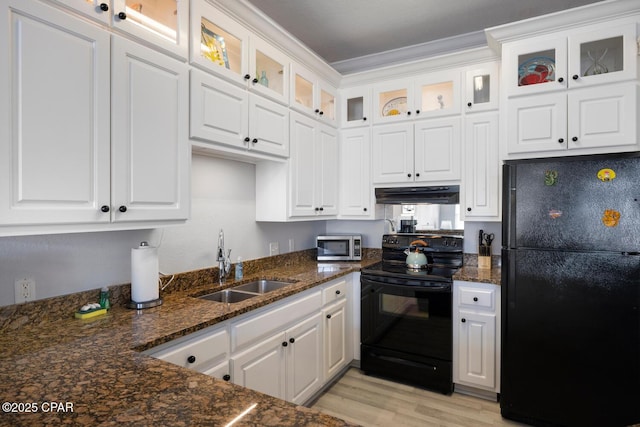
(145,304)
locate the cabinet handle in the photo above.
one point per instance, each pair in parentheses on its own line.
(247,139)
(469,104)
(574,139)
(475,299)
(328,316)
(463,320)
(191,359)
(122,15)
(561,140)
(337,292)
(254,140)
(254,81)
(468,209)
(284,343)
(575,77)
(104,7)
(104,208)
(560,79)
(247,76)
(226,377)
(122,209)
(292,340)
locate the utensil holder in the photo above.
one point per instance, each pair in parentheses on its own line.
(484,257)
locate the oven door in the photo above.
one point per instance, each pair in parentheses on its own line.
(413,318)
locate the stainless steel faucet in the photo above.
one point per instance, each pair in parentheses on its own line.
(224,262)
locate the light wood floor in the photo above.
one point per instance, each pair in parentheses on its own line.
(371,401)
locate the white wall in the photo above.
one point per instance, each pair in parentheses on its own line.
(223,193)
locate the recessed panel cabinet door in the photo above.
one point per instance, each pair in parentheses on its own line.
(437,150)
(150,148)
(54,117)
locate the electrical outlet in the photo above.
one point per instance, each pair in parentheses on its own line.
(274,248)
(25,290)
(292,245)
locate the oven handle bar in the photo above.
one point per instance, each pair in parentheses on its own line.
(402,283)
(404,361)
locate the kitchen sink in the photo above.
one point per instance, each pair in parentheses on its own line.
(262,286)
(228,296)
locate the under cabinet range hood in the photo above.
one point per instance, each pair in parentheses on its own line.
(435,195)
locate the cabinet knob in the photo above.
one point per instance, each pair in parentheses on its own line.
(247,76)
(408,175)
(417,111)
(104,7)
(226,377)
(316,209)
(284,343)
(338,292)
(317,111)
(364,209)
(469,104)
(321,208)
(321,113)
(104,208)
(122,209)
(247,139)
(122,15)
(574,139)
(191,359)
(254,81)
(254,140)
(364,119)
(463,320)
(468,209)
(560,79)
(561,140)
(408,113)
(292,340)
(328,316)
(417,175)
(575,77)
(475,299)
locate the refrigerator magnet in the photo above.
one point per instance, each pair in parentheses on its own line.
(554,213)
(550,177)
(610,218)
(605,175)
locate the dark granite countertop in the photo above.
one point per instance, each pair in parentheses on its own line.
(95,367)
(482,275)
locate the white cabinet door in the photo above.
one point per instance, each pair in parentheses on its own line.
(393,153)
(268,127)
(303,171)
(480,179)
(54,119)
(477,348)
(537,123)
(481,88)
(437,150)
(355,179)
(326,154)
(304,359)
(603,116)
(219,110)
(150,147)
(271,68)
(335,338)
(355,107)
(263,367)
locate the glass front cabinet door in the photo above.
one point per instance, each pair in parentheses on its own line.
(269,70)
(481,88)
(392,101)
(312,96)
(437,94)
(165,23)
(355,107)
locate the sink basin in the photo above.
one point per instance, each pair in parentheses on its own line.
(228,296)
(262,286)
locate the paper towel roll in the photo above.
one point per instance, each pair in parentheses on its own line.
(144,273)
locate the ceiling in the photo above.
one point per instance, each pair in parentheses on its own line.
(351,34)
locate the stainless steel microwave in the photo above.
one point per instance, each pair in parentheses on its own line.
(339,247)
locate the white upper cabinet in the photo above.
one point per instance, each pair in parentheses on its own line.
(162,23)
(432,95)
(222,46)
(481,88)
(603,54)
(312,96)
(355,107)
(355,176)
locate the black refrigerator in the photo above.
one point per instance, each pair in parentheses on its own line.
(571,291)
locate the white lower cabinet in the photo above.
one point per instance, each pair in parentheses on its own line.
(335,337)
(476,337)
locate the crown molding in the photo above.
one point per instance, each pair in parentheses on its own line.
(559,21)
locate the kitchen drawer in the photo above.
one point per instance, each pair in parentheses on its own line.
(477,298)
(197,353)
(334,291)
(257,326)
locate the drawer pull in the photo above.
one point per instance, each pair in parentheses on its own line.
(338,292)
(191,359)
(292,340)
(463,320)
(226,377)
(328,316)
(284,343)
(475,299)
